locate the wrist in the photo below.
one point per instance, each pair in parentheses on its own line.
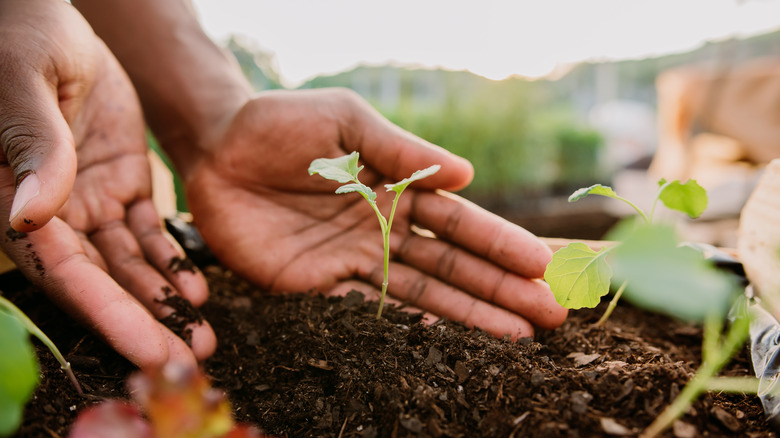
(189,88)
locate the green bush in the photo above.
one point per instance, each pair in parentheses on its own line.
(513,144)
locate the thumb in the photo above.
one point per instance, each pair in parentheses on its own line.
(397,153)
(39,154)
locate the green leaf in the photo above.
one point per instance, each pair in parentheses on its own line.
(596,189)
(18,372)
(400,186)
(359,188)
(666,278)
(343,169)
(578,276)
(689,198)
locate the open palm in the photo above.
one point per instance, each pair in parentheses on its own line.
(267,219)
(72,136)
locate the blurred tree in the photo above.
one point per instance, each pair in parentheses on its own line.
(259,65)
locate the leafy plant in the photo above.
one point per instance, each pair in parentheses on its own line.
(658,274)
(717,350)
(345,170)
(580,277)
(18,372)
(19,365)
(178,402)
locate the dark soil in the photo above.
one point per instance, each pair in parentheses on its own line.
(308,366)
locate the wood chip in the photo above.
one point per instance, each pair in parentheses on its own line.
(612,427)
(319,363)
(582,359)
(682,429)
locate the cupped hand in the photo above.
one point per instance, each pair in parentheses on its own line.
(268,220)
(75,185)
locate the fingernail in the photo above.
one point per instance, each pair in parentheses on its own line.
(25,191)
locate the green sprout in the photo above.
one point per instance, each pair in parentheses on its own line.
(718,347)
(580,277)
(345,170)
(658,274)
(18,364)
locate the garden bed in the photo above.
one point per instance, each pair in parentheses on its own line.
(308,366)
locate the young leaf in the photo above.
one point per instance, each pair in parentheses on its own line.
(578,276)
(360,188)
(674,280)
(596,189)
(343,169)
(400,186)
(180,402)
(122,419)
(689,198)
(18,372)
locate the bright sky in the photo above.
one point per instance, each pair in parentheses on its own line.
(493,38)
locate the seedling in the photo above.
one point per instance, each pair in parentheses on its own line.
(580,276)
(717,350)
(664,277)
(345,170)
(18,364)
(176,401)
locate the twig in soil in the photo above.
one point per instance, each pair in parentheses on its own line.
(343,426)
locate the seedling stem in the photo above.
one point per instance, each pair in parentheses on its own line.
(345,170)
(612,304)
(38,333)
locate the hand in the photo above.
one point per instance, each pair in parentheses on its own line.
(69,119)
(267,219)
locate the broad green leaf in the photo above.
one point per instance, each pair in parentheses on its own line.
(596,189)
(18,372)
(359,188)
(666,278)
(689,198)
(417,175)
(578,276)
(343,169)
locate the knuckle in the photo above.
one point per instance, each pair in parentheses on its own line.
(18,140)
(417,290)
(446,263)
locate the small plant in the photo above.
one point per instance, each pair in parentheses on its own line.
(19,365)
(580,276)
(176,401)
(659,274)
(717,350)
(345,170)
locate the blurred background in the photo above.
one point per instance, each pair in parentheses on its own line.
(544,97)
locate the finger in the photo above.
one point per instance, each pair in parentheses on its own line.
(425,292)
(530,298)
(53,259)
(91,252)
(159,250)
(37,144)
(178,350)
(491,237)
(397,153)
(127,265)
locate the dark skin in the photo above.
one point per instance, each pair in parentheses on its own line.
(71,120)
(86,130)
(309,236)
